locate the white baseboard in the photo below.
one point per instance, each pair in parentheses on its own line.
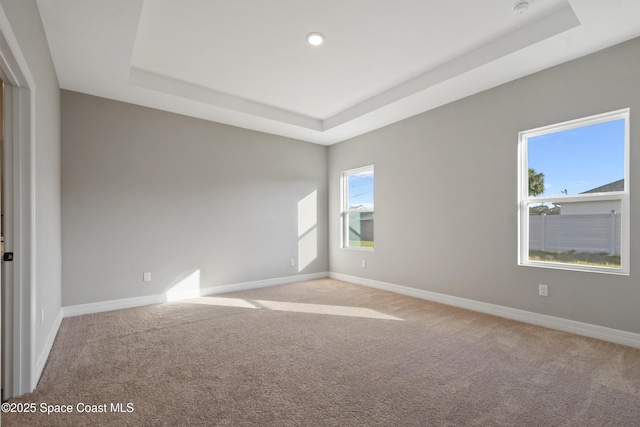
(98,307)
(119,304)
(579,328)
(44,354)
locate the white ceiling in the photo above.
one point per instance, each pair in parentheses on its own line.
(247,63)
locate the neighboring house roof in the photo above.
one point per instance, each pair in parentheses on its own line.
(612,186)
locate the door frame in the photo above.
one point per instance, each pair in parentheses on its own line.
(18,305)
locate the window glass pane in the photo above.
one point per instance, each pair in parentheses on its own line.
(360,190)
(588,159)
(585,235)
(360,229)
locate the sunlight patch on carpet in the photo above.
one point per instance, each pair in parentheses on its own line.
(294,307)
(224,302)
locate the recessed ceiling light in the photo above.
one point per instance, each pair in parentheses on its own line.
(315,39)
(521,7)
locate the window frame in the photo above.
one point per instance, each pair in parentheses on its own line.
(524,200)
(345,210)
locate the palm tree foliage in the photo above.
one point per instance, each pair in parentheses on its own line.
(536,182)
(536,187)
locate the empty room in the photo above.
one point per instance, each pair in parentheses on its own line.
(340,213)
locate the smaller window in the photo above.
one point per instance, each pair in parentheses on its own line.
(574,194)
(357,208)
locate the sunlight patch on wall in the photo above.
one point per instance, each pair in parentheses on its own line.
(307,213)
(188,287)
(307,249)
(307,230)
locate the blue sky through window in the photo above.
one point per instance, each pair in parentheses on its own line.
(360,187)
(577,160)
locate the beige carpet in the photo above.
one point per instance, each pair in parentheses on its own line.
(329,353)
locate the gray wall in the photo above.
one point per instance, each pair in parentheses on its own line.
(27,27)
(457,163)
(145,190)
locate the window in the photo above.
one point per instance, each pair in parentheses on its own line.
(357,208)
(573,191)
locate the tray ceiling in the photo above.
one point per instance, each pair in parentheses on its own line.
(247,63)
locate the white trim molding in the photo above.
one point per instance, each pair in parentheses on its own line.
(98,307)
(619,197)
(579,328)
(48,345)
(19,322)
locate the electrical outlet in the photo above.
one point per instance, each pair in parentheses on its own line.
(293,262)
(364,264)
(543,290)
(42,317)
(146,276)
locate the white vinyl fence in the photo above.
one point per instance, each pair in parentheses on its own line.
(582,233)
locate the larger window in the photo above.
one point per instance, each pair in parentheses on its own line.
(574,194)
(357,208)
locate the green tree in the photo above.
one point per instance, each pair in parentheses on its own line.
(536,182)
(545,209)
